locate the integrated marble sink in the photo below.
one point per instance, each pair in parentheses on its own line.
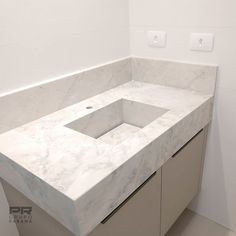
(80,163)
(117,121)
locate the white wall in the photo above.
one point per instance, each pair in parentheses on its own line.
(217,200)
(44,39)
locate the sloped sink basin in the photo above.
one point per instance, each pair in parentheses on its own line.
(118,121)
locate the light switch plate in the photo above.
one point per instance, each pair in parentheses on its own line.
(202,42)
(156,39)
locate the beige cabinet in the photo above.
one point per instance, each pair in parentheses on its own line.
(138,216)
(181,177)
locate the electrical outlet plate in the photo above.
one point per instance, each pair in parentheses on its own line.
(156,39)
(202,42)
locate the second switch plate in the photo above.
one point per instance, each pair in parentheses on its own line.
(157,39)
(202,42)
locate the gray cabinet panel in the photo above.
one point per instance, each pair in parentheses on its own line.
(139,216)
(181,177)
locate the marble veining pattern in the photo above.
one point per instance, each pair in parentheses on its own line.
(71,175)
(201,78)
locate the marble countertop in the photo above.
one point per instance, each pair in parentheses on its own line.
(79,180)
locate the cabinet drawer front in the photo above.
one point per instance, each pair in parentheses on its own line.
(181,177)
(139,215)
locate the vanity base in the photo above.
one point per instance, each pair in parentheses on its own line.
(150,210)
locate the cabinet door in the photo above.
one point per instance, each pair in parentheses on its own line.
(181,177)
(139,215)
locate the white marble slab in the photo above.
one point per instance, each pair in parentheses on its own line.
(79,179)
(200,78)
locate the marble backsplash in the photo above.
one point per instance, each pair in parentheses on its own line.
(200,78)
(31,104)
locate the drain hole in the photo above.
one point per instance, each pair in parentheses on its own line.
(89,107)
